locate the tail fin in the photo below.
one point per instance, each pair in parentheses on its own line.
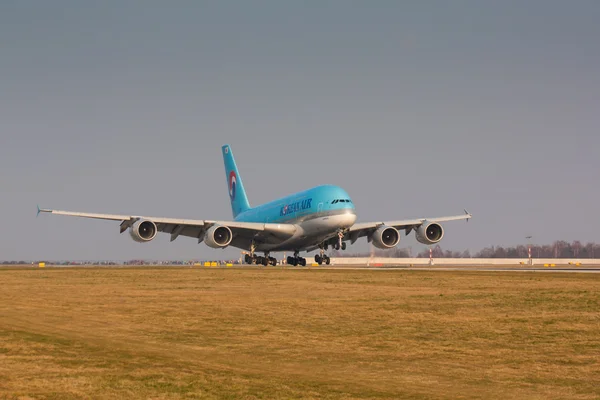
(237,194)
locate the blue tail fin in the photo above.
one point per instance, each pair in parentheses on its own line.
(237,194)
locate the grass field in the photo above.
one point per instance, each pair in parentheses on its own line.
(173,333)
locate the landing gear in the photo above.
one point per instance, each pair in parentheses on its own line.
(266,260)
(251,258)
(296,259)
(254,259)
(322,257)
(340,244)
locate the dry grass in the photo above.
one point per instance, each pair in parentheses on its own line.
(175,333)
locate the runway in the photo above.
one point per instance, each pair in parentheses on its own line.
(356,267)
(589,270)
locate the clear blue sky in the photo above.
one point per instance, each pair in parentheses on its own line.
(415,108)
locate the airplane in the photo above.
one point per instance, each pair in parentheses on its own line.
(312,219)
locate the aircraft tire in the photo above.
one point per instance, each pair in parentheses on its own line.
(343,245)
(327,260)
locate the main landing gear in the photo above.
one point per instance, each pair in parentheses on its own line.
(296,259)
(258,260)
(322,257)
(254,259)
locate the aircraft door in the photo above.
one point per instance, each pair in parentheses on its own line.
(320,207)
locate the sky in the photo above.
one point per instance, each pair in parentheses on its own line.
(417,109)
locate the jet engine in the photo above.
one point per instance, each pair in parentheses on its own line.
(218,236)
(385,237)
(429,233)
(143,231)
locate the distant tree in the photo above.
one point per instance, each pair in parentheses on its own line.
(559,248)
(487,252)
(401,253)
(438,252)
(521,251)
(512,252)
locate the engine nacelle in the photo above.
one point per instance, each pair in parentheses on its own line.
(143,231)
(218,237)
(429,233)
(385,237)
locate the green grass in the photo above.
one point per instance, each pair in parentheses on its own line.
(179,333)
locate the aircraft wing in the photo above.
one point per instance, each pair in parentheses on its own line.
(191,227)
(366,228)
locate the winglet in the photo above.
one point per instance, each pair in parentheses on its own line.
(38,211)
(469,214)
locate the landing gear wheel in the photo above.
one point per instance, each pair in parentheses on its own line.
(294,261)
(248,259)
(343,245)
(327,260)
(272,261)
(337,246)
(318,259)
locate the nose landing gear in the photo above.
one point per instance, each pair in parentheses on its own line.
(340,243)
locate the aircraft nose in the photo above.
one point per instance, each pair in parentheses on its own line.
(349,219)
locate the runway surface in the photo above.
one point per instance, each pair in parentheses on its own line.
(467,269)
(481,268)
